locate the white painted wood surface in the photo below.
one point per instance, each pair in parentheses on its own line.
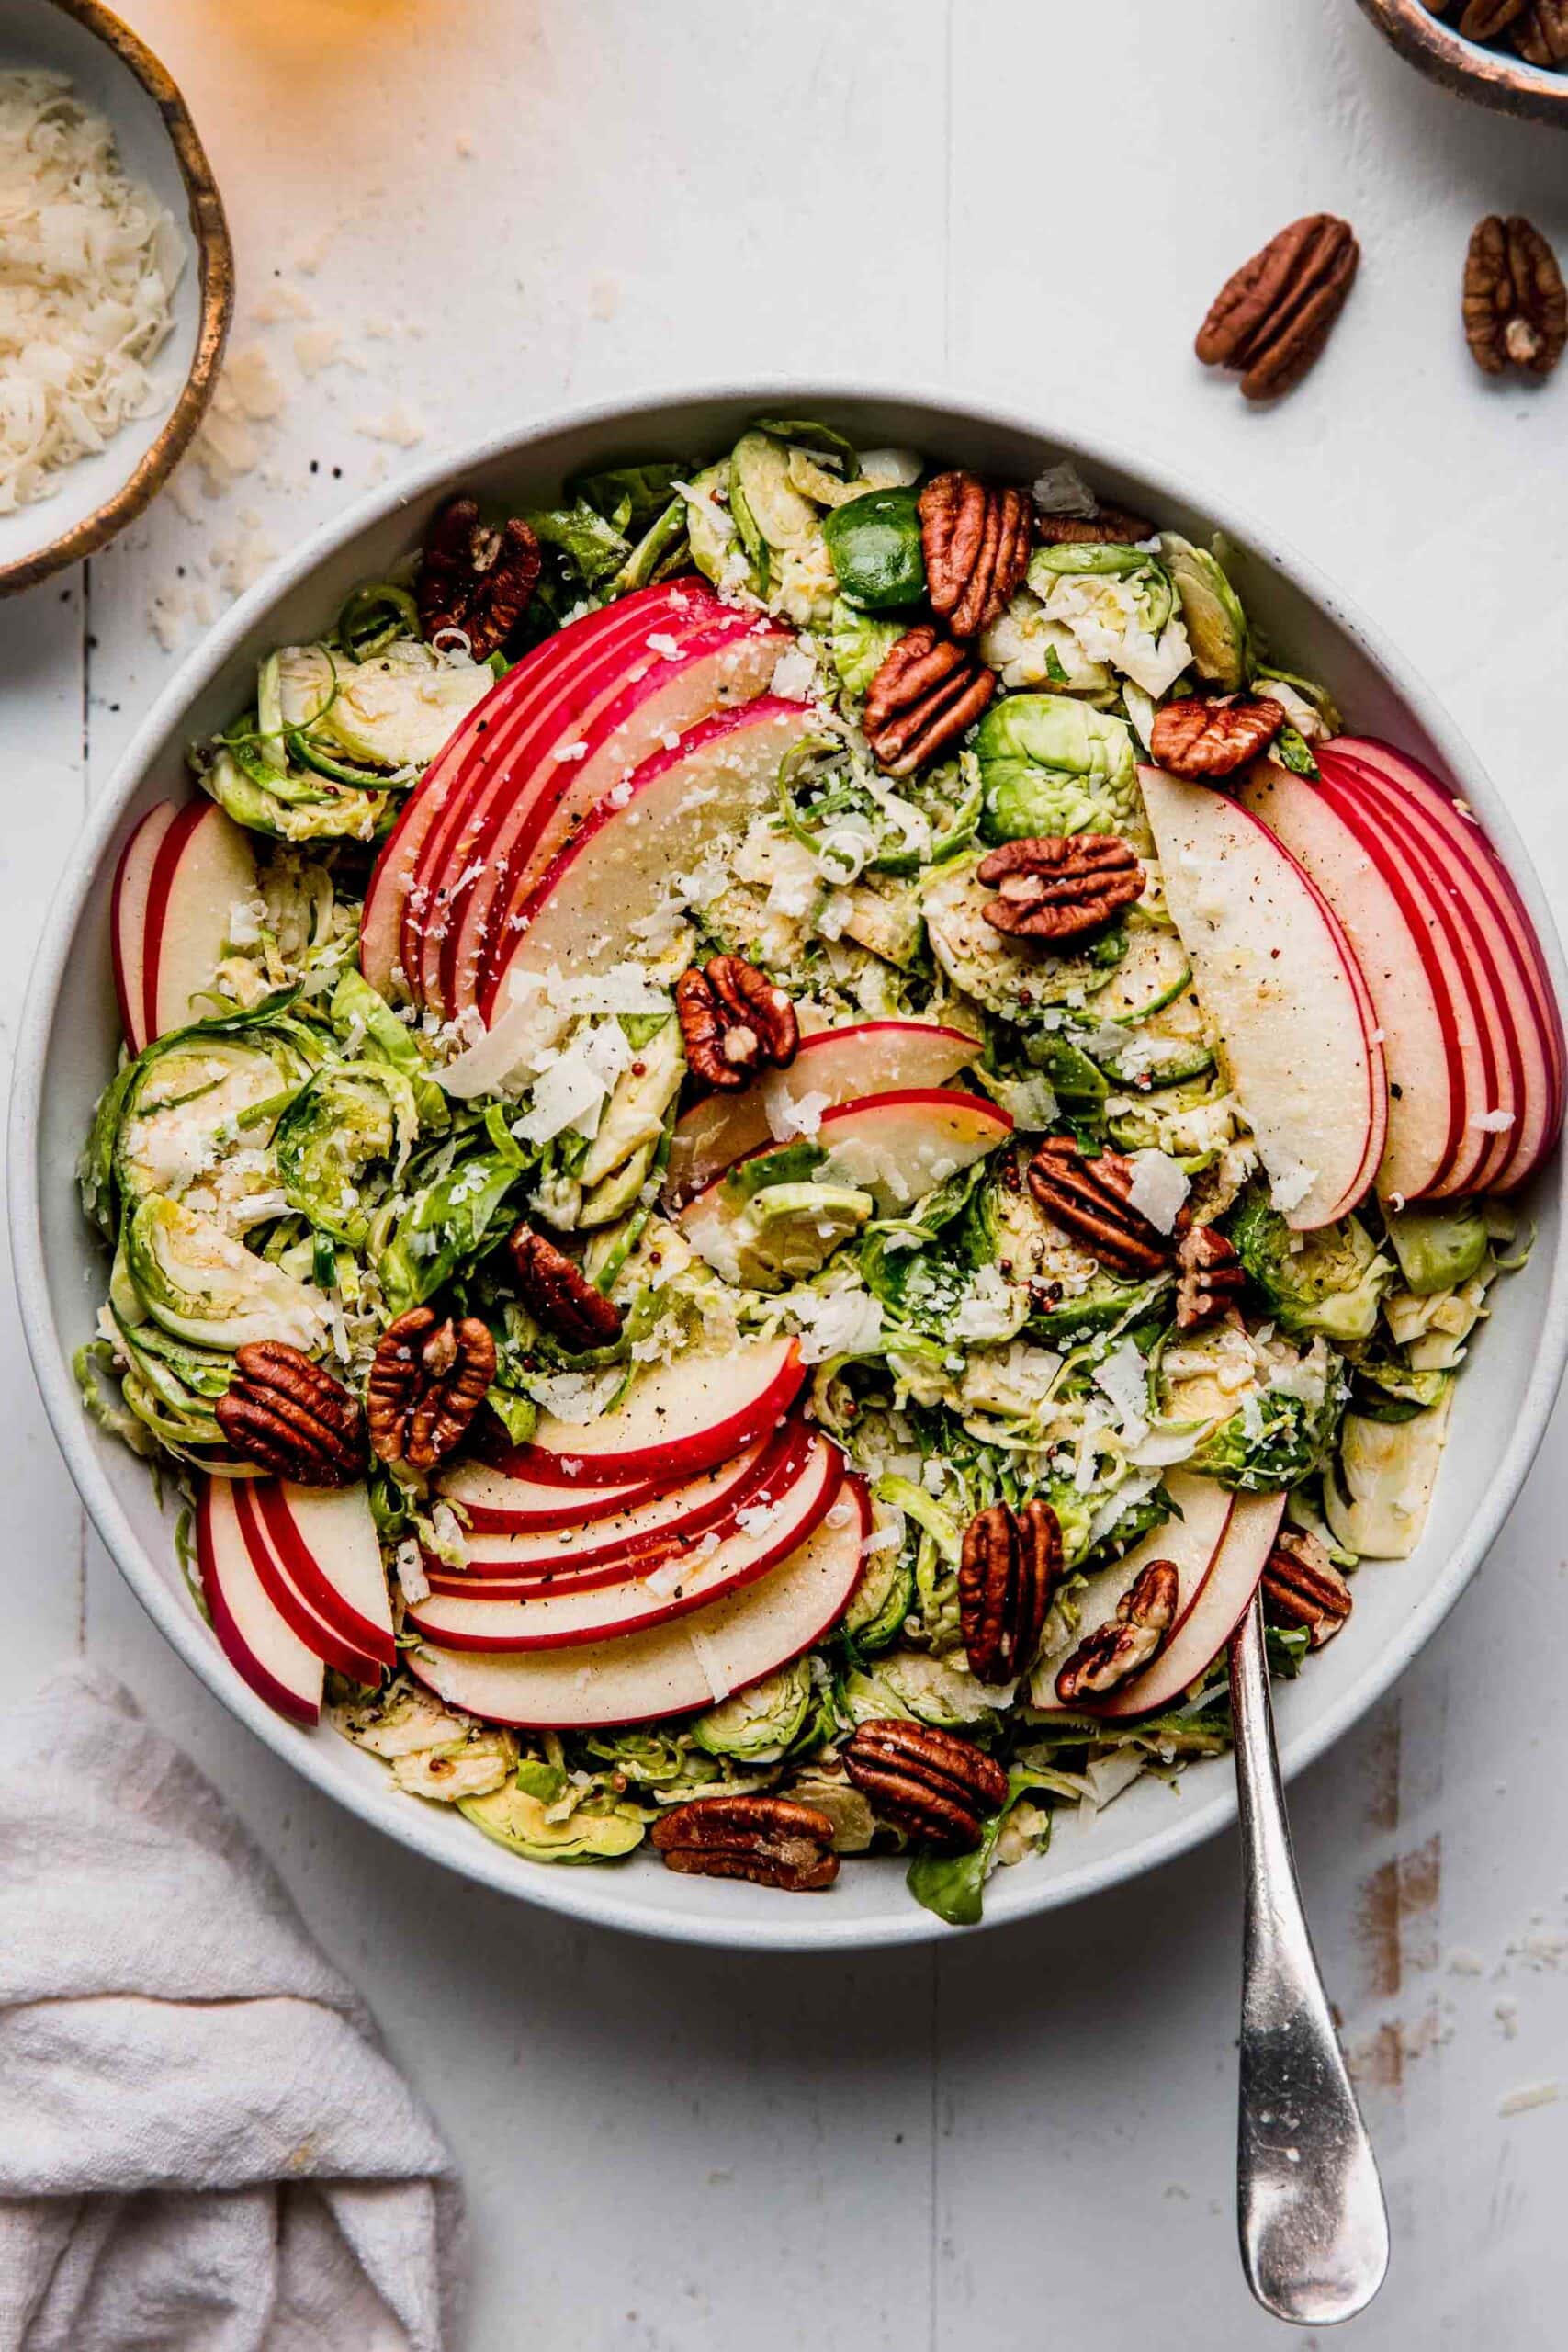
(1008,2141)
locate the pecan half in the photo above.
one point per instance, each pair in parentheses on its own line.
(1480,19)
(1010,1565)
(1089,1198)
(1272,317)
(1209,1275)
(475,578)
(426,1383)
(1516,308)
(1127,1642)
(558,1295)
(772,1841)
(977,542)
(926,694)
(1107,527)
(1059,887)
(284,1411)
(1303,1587)
(1205,736)
(733,1019)
(1541,33)
(931,1784)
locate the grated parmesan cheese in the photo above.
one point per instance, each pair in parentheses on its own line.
(89,267)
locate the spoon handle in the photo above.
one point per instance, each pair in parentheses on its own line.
(1308,2204)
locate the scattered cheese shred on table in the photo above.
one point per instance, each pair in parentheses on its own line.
(89,267)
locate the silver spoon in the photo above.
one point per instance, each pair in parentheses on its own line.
(1309,2203)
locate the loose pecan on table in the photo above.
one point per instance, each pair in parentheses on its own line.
(733,1019)
(926,694)
(1515,308)
(1089,1198)
(475,578)
(426,1383)
(1107,527)
(773,1841)
(284,1411)
(931,1784)
(1127,1642)
(558,1295)
(1271,318)
(975,539)
(1539,33)
(1059,887)
(1209,1275)
(1010,1565)
(1208,736)
(1303,1587)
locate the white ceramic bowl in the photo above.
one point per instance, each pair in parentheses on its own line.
(117,75)
(70,1035)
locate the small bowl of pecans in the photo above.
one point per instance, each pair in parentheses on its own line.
(1511,54)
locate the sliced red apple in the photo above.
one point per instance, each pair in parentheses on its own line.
(319,1633)
(833,1066)
(673,1668)
(326,1542)
(1278,979)
(678,808)
(562,658)
(896,1147)
(674,1421)
(561,775)
(1216,1610)
(782,1514)
(1421,1046)
(533,1503)
(1487,907)
(205,865)
(257,1640)
(1190,1540)
(128,919)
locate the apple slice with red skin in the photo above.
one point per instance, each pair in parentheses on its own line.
(205,865)
(1480,1047)
(534,1504)
(841,1064)
(675,1419)
(1278,979)
(670,1669)
(1517,1081)
(676,810)
(1478,889)
(257,1639)
(1421,1048)
(724,664)
(1190,1540)
(326,1543)
(603,1549)
(128,919)
(789,1505)
(319,1633)
(1442,802)
(896,1147)
(563,657)
(1216,1610)
(555,679)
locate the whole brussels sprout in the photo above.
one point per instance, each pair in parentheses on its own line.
(1052,766)
(875,546)
(1330,1280)
(759,1725)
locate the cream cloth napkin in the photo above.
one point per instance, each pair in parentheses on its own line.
(203,2147)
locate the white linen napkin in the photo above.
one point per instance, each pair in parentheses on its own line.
(203,2147)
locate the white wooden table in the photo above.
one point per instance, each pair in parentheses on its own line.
(500,204)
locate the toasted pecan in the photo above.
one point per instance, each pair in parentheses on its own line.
(287,1414)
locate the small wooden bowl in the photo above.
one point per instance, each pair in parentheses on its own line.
(1494,78)
(117,75)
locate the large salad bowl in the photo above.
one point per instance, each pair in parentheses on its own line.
(70,1035)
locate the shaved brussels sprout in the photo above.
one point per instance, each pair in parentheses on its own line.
(1031,647)
(1211,608)
(526,1825)
(347,1121)
(1438,1248)
(652,1757)
(923,1689)
(1010,977)
(1052,766)
(760,1723)
(1330,1280)
(859,644)
(1376,1496)
(769,511)
(1276,1439)
(785,1233)
(203,1285)
(886,1593)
